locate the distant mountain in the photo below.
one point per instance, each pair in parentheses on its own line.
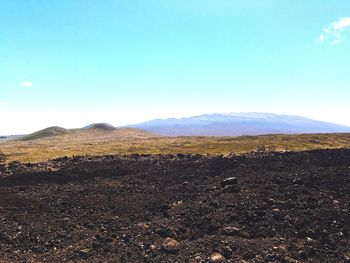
(100,126)
(236,124)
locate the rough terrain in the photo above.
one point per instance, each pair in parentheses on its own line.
(285,207)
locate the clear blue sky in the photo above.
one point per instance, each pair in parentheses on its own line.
(74,62)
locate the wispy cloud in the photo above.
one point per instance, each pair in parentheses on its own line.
(26,84)
(335,32)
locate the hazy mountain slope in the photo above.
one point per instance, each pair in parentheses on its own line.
(235,124)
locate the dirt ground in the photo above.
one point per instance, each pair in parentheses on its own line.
(282,207)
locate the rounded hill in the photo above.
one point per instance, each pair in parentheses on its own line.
(48,132)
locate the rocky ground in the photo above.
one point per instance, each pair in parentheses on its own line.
(280,207)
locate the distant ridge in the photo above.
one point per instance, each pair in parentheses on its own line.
(237,124)
(48,132)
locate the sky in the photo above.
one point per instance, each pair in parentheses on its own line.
(74,62)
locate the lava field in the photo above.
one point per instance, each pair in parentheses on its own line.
(259,207)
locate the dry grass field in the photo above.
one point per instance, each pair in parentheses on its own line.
(128,141)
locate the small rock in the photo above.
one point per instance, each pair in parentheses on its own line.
(229,181)
(275,211)
(232,189)
(216,257)
(170,245)
(152,247)
(231,231)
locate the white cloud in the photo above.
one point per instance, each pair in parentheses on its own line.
(342,23)
(26,84)
(336,32)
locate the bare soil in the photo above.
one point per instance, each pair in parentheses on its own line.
(285,207)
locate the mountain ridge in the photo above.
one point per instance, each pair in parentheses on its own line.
(237,124)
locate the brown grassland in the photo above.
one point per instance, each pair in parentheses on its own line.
(128,141)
